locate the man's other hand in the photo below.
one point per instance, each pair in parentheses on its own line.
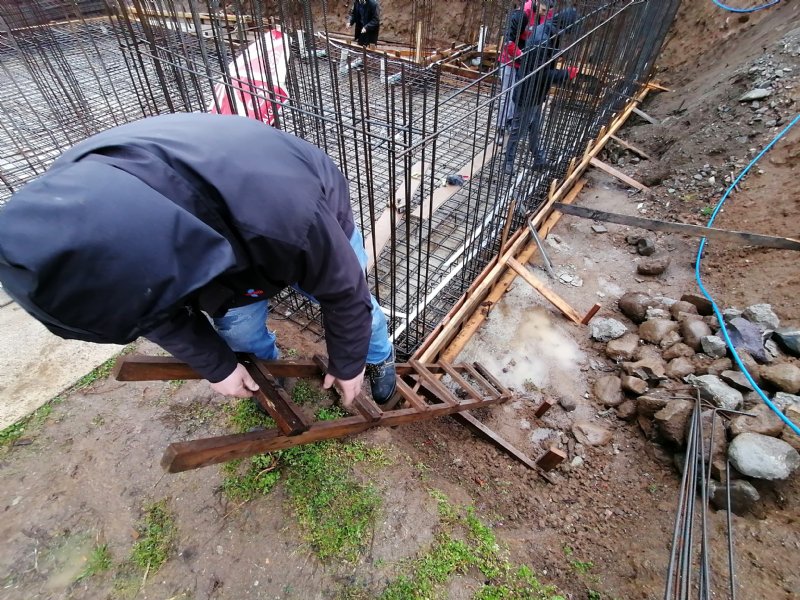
(348,388)
(238,384)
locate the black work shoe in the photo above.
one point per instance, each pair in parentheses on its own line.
(382,381)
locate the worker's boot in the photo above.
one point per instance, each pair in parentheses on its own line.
(382,380)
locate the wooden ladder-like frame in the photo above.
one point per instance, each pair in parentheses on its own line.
(422,395)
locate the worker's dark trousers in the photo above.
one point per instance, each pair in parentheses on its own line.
(528,119)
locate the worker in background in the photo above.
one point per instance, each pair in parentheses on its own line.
(509,63)
(366,18)
(538,11)
(537,73)
(165,228)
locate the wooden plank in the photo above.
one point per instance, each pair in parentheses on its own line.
(443,193)
(506,446)
(548,294)
(460,381)
(182,456)
(382,230)
(543,407)
(739,237)
(410,396)
(366,407)
(631,147)
(473,372)
(427,379)
(492,379)
(589,315)
(136,367)
(657,86)
(646,117)
(618,174)
(551,459)
(274,399)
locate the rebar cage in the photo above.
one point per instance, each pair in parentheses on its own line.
(398,118)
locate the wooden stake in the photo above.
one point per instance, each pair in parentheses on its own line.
(551,459)
(631,147)
(618,174)
(646,117)
(548,294)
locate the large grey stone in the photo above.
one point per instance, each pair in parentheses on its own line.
(604,329)
(676,350)
(712,322)
(713,346)
(692,331)
(650,370)
(785,377)
(647,406)
(762,315)
(764,422)
(783,400)
(679,367)
(653,265)
(656,312)
(672,338)
(608,390)
(627,410)
(743,495)
(747,336)
(623,348)
(755,94)
(702,303)
(634,305)
(633,385)
(672,421)
(591,434)
(763,457)
(715,391)
(655,330)
(789,339)
(682,306)
(730,313)
(736,380)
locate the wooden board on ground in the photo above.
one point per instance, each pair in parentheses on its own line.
(631,147)
(549,294)
(443,193)
(739,237)
(618,174)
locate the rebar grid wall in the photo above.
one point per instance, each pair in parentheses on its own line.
(395,126)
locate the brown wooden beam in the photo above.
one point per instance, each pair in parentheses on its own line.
(182,456)
(739,237)
(274,399)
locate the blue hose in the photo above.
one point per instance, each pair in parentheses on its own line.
(745,10)
(717,312)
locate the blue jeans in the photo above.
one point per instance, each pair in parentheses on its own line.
(245,328)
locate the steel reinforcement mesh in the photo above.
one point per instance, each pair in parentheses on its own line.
(397,119)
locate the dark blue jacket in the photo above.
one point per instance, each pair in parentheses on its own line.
(540,48)
(138,229)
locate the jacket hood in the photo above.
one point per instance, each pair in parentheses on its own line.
(565,18)
(96,254)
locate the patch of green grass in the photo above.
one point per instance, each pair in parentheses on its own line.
(330,413)
(36,419)
(706,211)
(568,551)
(292,353)
(305,391)
(157,534)
(99,561)
(244,415)
(594,595)
(95,374)
(245,479)
(336,511)
(581,566)
(467,544)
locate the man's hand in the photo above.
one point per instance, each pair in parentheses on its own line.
(238,384)
(348,388)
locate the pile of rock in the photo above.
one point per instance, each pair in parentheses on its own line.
(670,349)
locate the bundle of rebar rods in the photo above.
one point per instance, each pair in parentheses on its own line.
(689,573)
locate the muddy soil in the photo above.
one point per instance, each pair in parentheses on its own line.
(85,475)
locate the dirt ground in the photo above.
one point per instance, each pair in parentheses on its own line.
(85,474)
